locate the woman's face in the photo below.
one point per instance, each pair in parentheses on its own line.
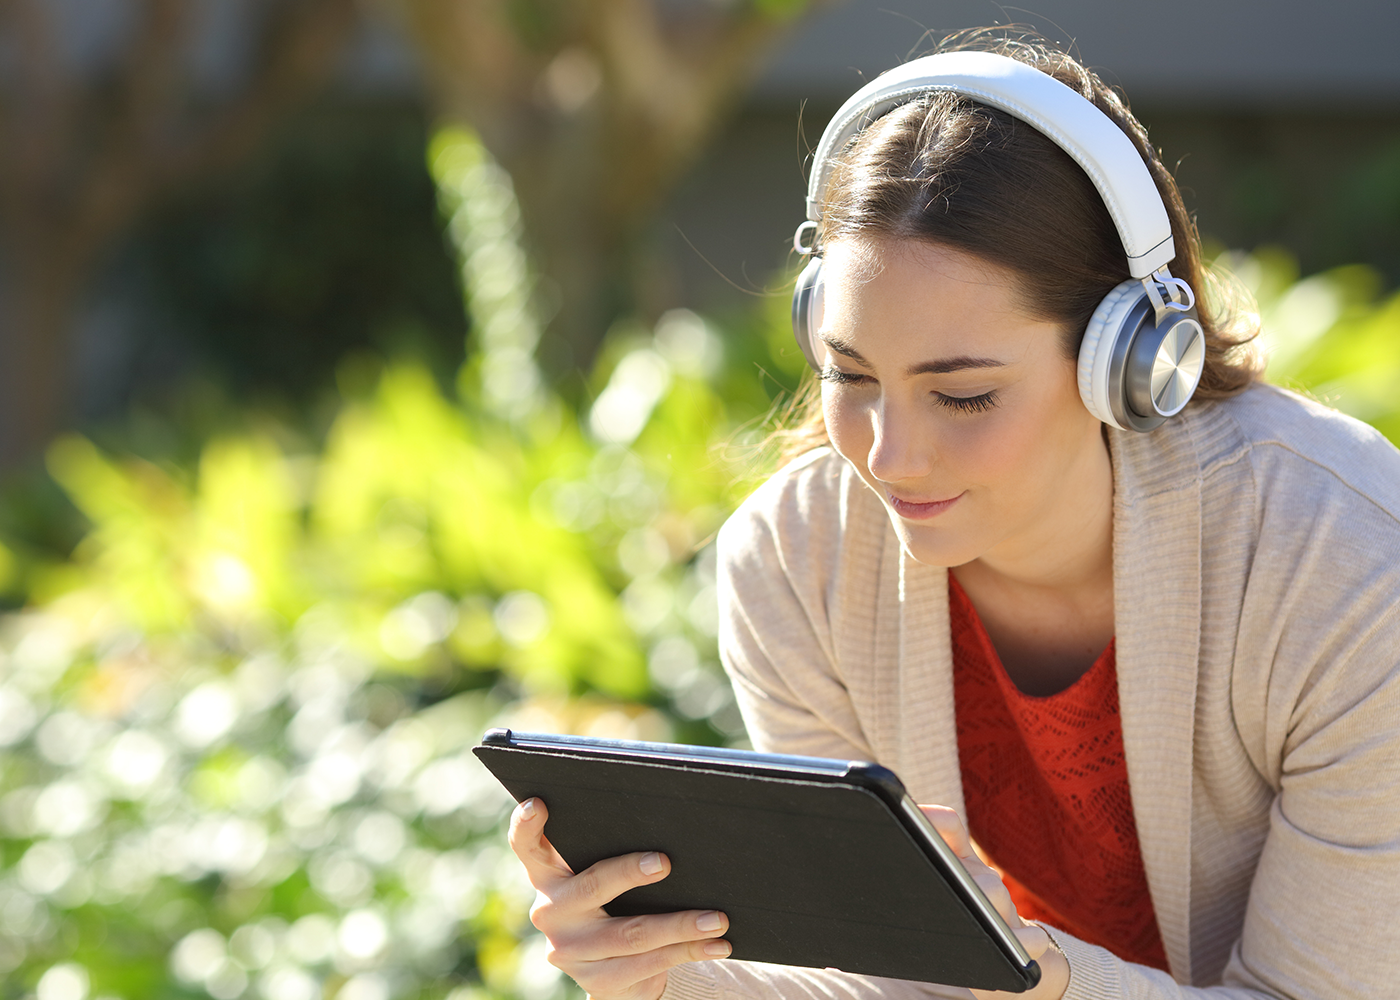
(957,406)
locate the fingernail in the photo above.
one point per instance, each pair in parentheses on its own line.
(708,921)
(717,949)
(527,809)
(651,863)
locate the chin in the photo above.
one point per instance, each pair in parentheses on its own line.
(935,547)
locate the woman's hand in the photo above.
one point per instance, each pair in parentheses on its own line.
(1054,968)
(612,958)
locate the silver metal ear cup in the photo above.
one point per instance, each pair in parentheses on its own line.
(1166,367)
(1152,371)
(1120,355)
(1133,374)
(808,301)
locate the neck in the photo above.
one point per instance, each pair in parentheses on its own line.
(1046,600)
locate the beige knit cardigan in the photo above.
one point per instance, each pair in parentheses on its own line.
(1257,611)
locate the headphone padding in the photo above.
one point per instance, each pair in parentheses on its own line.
(1096,349)
(808,301)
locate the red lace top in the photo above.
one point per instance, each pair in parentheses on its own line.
(1047,794)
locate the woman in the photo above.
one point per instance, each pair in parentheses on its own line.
(1156,674)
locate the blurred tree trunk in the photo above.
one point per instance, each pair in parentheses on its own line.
(84,150)
(596,108)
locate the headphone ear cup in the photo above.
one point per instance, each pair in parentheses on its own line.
(1133,375)
(808,305)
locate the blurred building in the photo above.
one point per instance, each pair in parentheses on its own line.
(1241,54)
(1281,117)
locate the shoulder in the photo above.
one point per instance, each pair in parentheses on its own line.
(1301,504)
(801,518)
(1289,511)
(1316,491)
(1286,457)
(1300,451)
(803,496)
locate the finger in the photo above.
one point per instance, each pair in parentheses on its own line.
(950,827)
(998,895)
(611,877)
(618,976)
(542,862)
(621,936)
(1034,939)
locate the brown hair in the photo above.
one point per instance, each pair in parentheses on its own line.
(946,170)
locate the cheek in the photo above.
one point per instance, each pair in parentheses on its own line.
(1035,447)
(990,448)
(1020,445)
(848,425)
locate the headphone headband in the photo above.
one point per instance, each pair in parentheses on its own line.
(1105,153)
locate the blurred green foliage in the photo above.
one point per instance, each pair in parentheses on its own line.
(1330,335)
(235,720)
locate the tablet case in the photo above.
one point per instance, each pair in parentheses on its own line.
(818,873)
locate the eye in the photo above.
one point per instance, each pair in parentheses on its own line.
(968,404)
(837,377)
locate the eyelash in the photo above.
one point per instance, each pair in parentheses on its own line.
(963,404)
(969,404)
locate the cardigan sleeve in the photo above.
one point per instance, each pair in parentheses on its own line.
(777,604)
(1323,684)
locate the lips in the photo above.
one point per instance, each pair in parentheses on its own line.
(915,510)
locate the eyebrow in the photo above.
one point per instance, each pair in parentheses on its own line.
(939,366)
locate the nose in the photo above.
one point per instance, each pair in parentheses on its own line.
(898,450)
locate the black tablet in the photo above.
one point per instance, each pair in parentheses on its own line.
(816,862)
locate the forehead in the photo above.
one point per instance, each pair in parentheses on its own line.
(921,296)
(905,266)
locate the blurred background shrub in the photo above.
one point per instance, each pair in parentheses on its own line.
(236,716)
(395,420)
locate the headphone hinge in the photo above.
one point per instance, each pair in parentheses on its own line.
(1180,298)
(805,249)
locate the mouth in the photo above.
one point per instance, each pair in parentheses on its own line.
(921,510)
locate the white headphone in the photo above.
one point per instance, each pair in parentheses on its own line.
(1144,350)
